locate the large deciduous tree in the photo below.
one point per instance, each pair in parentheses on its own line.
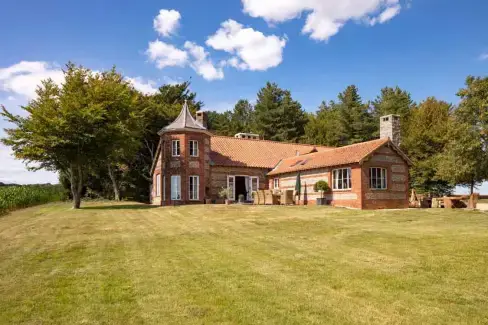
(465,159)
(60,132)
(425,138)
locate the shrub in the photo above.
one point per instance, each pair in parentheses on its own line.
(322,187)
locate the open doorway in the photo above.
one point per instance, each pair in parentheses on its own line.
(241,187)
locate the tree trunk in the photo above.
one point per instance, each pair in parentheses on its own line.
(114,183)
(76,180)
(471,188)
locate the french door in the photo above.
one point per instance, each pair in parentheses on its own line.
(253,186)
(231,186)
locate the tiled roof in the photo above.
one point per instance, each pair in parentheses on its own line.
(354,153)
(227,151)
(184,121)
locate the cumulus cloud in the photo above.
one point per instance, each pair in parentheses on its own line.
(14,171)
(166,55)
(167,22)
(24,77)
(324,17)
(252,49)
(201,62)
(147,87)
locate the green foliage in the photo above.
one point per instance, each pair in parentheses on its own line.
(278,116)
(224,193)
(464,161)
(321,186)
(18,197)
(392,101)
(465,158)
(324,127)
(356,121)
(228,123)
(424,140)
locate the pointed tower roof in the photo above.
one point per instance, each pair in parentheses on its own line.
(184,122)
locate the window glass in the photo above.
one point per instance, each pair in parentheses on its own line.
(193,148)
(175,148)
(175,187)
(193,187)
(341,179)
(377,178)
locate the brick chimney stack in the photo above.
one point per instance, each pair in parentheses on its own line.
(202,118)
(390,128)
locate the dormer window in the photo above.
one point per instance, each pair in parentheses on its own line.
(175,148)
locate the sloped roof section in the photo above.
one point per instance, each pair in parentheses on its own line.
(184,121)
(355,153)
(235,152)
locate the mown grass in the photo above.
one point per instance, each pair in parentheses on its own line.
(22,196)
(133,264)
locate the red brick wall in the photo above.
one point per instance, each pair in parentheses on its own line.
(396,194)
(184,165)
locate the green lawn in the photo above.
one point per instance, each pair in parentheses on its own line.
(133,264)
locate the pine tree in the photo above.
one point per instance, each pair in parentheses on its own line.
(278,116)
(356,121)
(392,101)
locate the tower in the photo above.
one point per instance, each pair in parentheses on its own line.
(390,128)
(184,159)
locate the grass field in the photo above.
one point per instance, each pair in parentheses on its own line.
(133,264)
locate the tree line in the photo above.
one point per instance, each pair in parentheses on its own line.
(100,134)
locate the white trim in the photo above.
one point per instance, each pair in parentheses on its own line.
(164,188)
(335,180)
(158,185)
(197,178)
(276,183)
(383,178)
(232,194)
(175,150)
(175,187)
(195,146)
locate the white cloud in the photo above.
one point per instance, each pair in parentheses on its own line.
(10,98)
(14,171)
(143,85)
(324,17)
(201,62)
(483,56)
(386,15)
(252,49)
(166,55)
(24,77)
(167,22)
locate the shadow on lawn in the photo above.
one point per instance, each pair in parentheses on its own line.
(121,207)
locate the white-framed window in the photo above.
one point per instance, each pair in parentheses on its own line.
(158,185)
(276,183)
(175,148)
(377,178)
(341,179)
(193,187)
(193,145)
(175,187)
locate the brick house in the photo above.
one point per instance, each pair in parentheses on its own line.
(192,165)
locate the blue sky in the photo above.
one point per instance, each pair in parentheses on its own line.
(230,48)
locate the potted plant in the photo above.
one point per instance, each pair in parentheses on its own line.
(224,194)
(322,187)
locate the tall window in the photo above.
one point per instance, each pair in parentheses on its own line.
(377,178)
(158,185)
(175,148)
(175,187)
(193,148)
(194,186)
(276,183)
(341,179)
